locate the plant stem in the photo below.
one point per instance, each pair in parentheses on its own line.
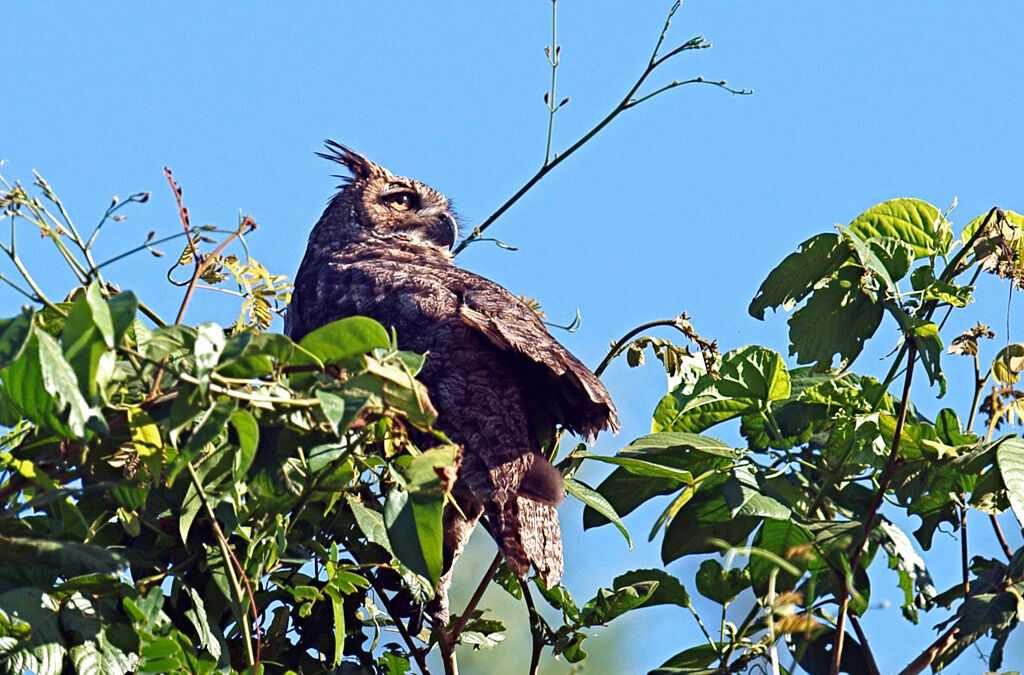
(473,601)
(872,514)
(417,653)
(869,658)
(228,567)
(553,59)
(626,103)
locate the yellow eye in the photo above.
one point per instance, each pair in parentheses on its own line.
(403,201)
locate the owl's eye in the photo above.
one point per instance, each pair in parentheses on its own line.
(403,201)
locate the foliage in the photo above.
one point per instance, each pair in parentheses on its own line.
(200,498)
(826,446)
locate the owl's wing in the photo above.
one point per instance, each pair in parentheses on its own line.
(509,324)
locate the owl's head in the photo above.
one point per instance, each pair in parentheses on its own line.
(376,201)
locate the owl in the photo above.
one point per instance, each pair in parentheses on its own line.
(500,382)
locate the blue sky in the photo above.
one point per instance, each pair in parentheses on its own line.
(682,204)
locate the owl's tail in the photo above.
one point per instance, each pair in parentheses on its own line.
(529,534)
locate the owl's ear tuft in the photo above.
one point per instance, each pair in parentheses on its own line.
(360,167)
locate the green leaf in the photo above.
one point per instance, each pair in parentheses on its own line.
(343,339)
(694,660)
(744,497)
(718,585)
(670,591)
(914,577)
(370,522)
(1009,363)
(641,465)
(44,388)
(1010,457)
(69,558)
(333,408)
(147,441)
(837,319)
(704,518)
(43,652)
(679,440)
(753,372)
(414,528)
(209,344)
(789,541)
(925,335)
(338,612)
(818,258)
(596,501)
(248,431)
(607,604)
(196,615)
(14,335)
(911,221)
(88,337)
(210,425)
(972,227)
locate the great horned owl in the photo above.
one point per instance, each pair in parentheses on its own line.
(499,381)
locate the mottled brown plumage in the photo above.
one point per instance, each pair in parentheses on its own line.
(498,379)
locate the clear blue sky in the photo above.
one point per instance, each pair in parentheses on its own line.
(682,204)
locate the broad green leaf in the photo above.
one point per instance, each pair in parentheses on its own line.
(69,558)
(1009,363)
(894,254)
(122,313)
(753,372)
(1010,457)
(370,522)
(44,388)
(432,471)
(88,337)
(911,221)
(608,604)
(670,591)
(972,227)
(343,339)
(796,276)
(595,500)
(147,441)
(210,425)
(333,408)
(248,431)
(692,661)
(196,615)
(43,652)
(14,335)
(786,539)
(719,585)
(209,344)
(744,497)
(986,611)
(414,528)
(915,579)
(695,410)
(641,465)
(401,391)
(666,440)
(837,319)
(706,517)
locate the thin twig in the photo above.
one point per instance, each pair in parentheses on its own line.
(538,639)
(1007,551)
(872,514)
(416,652)
(473,601)
(869,658)
(963,546)
(626,103)
(229,568)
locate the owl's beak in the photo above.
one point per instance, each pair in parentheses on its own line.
(448,229)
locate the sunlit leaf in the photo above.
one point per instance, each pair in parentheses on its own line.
(911,221)
(796,276)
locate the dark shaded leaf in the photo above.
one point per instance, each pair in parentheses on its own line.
(670,591)
(719,585)
(795,277)
(14,334)
(596,501)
